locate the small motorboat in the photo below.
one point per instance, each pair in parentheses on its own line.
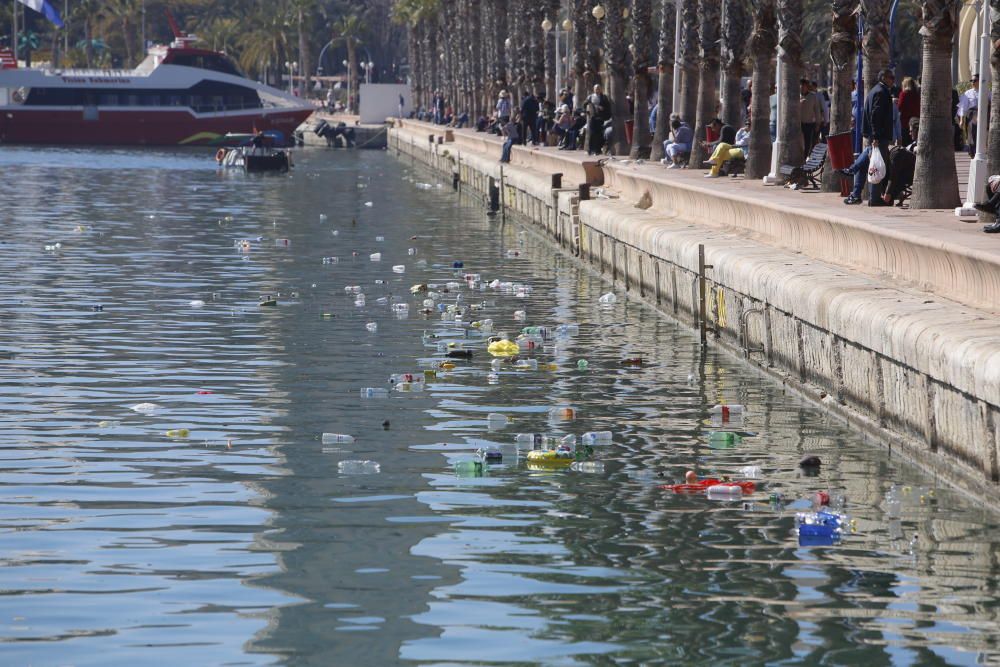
(254,159)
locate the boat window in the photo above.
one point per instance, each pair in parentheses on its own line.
(173,100)
(108,100)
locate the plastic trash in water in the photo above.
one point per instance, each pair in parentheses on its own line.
(819,528)
(496,365)
(496,420)
(724,492)
(108,423)
(470,468)
(177,433)
(562,412)
(382,300)
(53,246)
(582,364)
(590,467)
(513,253)
(145,408)
(379,239)
(322,217)
(491,454)
(520,315)
(411,251)
(359,300)
(401,307)
(375,257)
(723,439)
(503,348)
(334,438)
(352,289)
(458,264)
(525,364)
(282,243)
(607,299)
(750,472)
(399,268)
(196,303)
(372,327)
(567,330)
(369,204)
(374,392)
(596,438)
(364,467)
(726,410)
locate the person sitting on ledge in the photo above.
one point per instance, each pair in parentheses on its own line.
(992,205)
(512,133)
(678,145)
(724,151)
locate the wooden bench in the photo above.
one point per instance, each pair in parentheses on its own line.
(807,174)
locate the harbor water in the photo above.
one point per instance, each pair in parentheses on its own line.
(176,341)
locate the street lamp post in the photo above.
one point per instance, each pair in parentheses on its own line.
(292,66)
(978,168)
(677,58)
(347,68)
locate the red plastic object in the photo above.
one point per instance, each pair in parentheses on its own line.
(205,391)
(822,498)
(840,149)
(702,485)
(710,134)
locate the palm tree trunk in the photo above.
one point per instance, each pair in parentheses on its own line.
(304,56)
(735,28)
(875,40)
(993,148)
(614,61)
(665,66)
(709,14)
(581,25)
(935,182)
(843,50)
(689,60)
(642,40)
(790,54)
(763,41)
(352,69)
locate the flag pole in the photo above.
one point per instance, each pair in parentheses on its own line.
(13,47)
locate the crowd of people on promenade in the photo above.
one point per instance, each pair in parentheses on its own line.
(889,115)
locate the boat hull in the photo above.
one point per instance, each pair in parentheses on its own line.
(111,127)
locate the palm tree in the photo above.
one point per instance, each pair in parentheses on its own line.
(348,31)
(689,60)
(709,14)
(304,10)
(843,50)
(935,182)
(736,25)
(614,61)
(875,40)
(763,41)
(790,53)
(642,43)
(665,65)
(582,20)
(265,45)
(120,17)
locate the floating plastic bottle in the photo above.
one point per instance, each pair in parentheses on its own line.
(726,410)
(608,298)
(562,412)
(491,454)
(567,330)
(582,365)
(374,392)
(322,217)
(196,303)
(819,528)
(331,260)
(282,243)
(364,467)
(411,251)
(108,423)
(379,239)
(596,438)
(750,472)
(399,268)
(352,289)
(496,420)
(375,257)
(724,492)
(382,300)
(520,315)
(145,408)
(396,378)
(496,364)
(372,326)
(590,467)
(334,438)
(723,439)
(177,433)
(359,300)
(469,468)
(526,364)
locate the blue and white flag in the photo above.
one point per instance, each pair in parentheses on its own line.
(46,8)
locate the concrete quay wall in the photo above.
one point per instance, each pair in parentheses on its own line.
(921,373)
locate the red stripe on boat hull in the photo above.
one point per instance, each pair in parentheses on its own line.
(131,128)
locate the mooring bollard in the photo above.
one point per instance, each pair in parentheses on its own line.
(556,181)
(584,191)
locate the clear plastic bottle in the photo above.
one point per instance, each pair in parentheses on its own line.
(724,492)
(607,299)
(597,438)
(372,327)
(562,412)
(364,467)
(526,364)
(333,438)
(726,409)
(375,257)
(470,468)
(359,300)
(592,467)
(496,365)
(374,392)
(399,268)
(496,420)
(401,307)
(750,472)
